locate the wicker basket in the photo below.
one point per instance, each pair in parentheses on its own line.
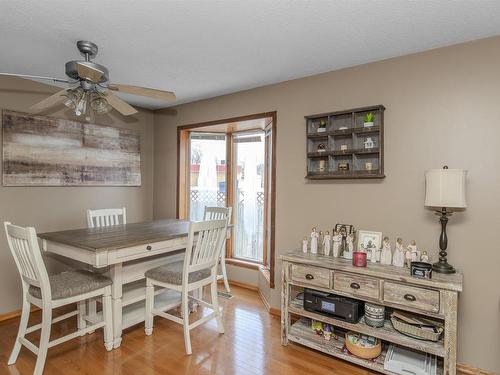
(359,350)
(416,327)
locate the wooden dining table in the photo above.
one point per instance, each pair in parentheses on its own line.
(125,252)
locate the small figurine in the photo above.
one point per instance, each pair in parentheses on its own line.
(314,241)
(305,245)
(350,246)
(322,166)
(424,257)
(407,258)
(337,242)
(327,332)
(327,240)
(369,143)
(414,253)
(376,253)
(386,255)
(398,258)
(317,327)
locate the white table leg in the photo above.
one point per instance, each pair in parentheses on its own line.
(116,296)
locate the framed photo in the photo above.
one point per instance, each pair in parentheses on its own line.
(348,228)
(368,241)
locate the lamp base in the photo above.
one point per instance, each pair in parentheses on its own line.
(443,267)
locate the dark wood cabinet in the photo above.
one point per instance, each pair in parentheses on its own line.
(341,146)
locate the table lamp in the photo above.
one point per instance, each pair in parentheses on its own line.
(444,189)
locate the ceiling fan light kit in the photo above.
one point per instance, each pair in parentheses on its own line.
(94,89)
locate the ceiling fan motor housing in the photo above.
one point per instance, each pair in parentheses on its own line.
(72,70)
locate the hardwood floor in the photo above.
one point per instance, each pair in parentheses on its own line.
(251,345)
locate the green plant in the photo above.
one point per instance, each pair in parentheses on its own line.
(322,123)
(369,117)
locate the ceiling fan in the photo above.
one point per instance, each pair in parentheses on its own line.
(91,87)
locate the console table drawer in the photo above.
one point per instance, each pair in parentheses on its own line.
(313,276)
(418,298)
(356,285)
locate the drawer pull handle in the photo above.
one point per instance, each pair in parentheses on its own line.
(355,286)
(410,297)
(309,276)
(148,247)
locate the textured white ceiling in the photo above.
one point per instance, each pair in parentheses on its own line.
(201,49)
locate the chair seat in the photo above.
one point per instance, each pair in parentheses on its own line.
(72,283)
(172,274)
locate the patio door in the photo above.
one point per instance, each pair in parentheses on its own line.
(249,195)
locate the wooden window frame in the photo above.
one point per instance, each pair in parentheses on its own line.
(183,154)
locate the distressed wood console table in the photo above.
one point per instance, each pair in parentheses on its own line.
(385,285)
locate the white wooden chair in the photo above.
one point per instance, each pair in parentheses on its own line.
(199,268)
(219,213)
(99,219)
(106,217)
(50,292)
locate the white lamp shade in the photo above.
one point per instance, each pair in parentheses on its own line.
(445,188)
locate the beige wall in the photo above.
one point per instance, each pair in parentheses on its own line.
(57,208)
(442,108)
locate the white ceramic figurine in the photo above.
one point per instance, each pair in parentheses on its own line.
(305,245)
(314,241)
(327,240)
(337,242)
(350,246)
(376,254)
(386,255)
(398,258)
(414,253)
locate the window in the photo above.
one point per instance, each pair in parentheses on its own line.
(207,173)
(231,163)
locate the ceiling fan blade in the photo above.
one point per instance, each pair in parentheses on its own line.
(88,72)
(143,91)
(49,102)
(121,106)
(35,77)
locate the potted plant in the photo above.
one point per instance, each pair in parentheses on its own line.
(368,120)
(322,126)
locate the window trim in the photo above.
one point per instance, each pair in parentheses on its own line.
(183,154)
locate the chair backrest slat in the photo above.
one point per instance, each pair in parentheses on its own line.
(106,217)
(205,244)
(217,213)
(24,247)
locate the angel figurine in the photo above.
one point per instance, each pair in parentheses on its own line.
(414,253)
(305,245)
(407,257)
(337,242)
(314,241)
(376,253)
(386,255)
(350,246)
(327,240)
(424,257)
(398,258)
